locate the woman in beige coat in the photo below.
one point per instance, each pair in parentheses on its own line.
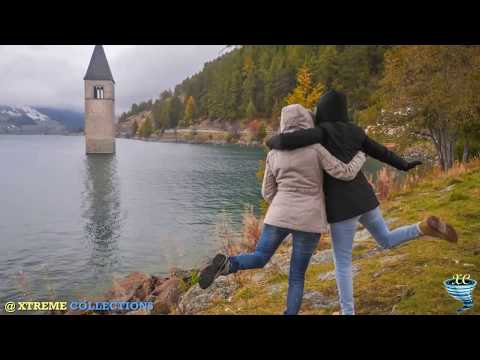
(294,189)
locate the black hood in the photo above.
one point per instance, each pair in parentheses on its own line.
(332,107)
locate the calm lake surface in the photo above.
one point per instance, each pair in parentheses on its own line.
(70,222)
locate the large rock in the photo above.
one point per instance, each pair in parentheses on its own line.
(330,275)
(322,257)
(135,284)
(166,296)
(275,289)
(317,300)
(280,261)
(196,300)
(392,260)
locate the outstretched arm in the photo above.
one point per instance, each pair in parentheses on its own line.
(269,184)
(296,139)
(380,152)
(338,169)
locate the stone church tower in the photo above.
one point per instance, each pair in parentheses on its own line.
(99,105)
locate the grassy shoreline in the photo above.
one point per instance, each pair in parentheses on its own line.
(404,280)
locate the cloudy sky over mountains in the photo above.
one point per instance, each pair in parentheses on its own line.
(41,75)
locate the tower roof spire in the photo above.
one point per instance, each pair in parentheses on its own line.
(98,68)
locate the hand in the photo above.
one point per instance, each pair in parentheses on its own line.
(413,164)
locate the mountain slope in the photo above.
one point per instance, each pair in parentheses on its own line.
(72,120)
(41,120)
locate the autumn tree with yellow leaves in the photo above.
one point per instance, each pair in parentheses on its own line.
(190,109)
(305,93)
(432,90)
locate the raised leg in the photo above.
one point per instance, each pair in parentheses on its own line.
(375,224)
(269,242)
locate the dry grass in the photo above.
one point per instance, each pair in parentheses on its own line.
(388,184)
(247,242)
(233,243)
(385,183)
(252,229)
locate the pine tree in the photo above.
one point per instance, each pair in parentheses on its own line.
(326,65)
(233,96)
(134,128)
(251,111)
(305,93)
(175,112)
(190,109)
(146,128)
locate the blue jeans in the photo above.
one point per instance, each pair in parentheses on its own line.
(342,240)
(304,244)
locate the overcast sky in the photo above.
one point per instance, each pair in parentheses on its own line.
(41,75)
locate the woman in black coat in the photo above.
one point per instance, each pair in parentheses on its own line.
(348,203)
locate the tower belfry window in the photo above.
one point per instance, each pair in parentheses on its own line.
(98,92)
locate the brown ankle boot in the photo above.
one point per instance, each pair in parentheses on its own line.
(435,227)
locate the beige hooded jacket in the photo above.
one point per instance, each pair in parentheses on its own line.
(293,181)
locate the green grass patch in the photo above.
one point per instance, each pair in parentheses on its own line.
(458,196)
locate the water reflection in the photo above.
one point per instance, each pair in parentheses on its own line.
(101,201)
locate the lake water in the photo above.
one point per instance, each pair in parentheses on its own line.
(70,222)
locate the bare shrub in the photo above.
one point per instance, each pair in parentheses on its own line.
(252,229)
(234,242)
(225,234)
(385,183)
(388,183)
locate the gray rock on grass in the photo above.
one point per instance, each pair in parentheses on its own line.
(196,299)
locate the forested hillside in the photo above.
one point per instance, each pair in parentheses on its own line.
(253,81)
(403,94)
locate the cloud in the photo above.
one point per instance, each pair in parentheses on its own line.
(41,75)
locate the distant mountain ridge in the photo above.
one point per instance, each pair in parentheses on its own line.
(39,120)
(72,120)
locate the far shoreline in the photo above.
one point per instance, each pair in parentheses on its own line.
(254,145)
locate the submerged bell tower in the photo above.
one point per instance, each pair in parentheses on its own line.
(99,105)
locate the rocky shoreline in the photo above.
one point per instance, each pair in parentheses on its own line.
(180,294)
(173,295)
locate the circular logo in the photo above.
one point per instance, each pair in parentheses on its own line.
(10,307)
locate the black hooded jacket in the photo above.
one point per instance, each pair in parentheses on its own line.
(344,200)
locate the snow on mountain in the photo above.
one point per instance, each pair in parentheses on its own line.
(10,113)
(34,114)
(28,111)
(28,119)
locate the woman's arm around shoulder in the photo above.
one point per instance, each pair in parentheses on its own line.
(337,168)
(296,139)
